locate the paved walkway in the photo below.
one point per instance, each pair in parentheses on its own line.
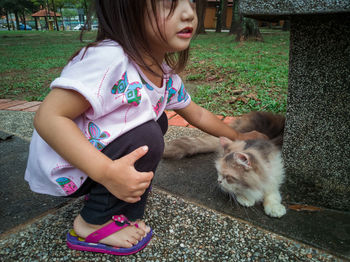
(191,218)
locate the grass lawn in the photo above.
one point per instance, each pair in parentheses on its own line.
(223,76)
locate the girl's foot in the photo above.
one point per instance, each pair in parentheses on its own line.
(126,237)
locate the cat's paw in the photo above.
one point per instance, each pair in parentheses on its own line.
(245,202)
(275,210)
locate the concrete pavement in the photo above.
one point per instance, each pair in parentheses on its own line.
(192,220)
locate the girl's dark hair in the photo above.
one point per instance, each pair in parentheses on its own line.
(123,22)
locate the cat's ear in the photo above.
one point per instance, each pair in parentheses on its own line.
(225,142)
(242,159)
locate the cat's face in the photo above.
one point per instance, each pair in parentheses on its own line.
(238,169)
(251,170)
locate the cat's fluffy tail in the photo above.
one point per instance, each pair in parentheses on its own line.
(267,123)
(187,146)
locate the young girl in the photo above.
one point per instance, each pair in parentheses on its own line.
(100,129)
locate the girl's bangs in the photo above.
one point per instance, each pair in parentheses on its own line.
(155,6)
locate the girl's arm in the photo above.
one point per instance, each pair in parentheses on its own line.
(209,123)
(54,123)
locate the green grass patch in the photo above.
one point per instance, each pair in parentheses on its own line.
(225,76)
(234,78)
(30,61)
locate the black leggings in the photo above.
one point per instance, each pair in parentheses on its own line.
(101,205)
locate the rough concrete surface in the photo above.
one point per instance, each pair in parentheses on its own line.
(191,218)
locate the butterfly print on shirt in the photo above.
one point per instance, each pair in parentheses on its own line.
(171,90)
(130,91)
(96,136)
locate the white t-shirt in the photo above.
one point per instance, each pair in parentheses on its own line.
(121,98)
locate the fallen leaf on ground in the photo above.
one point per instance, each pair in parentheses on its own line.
(242,99)
(237,92)
(233,100)
(252,96)
(211,78)
(304,208)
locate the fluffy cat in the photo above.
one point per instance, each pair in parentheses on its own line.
(250,171)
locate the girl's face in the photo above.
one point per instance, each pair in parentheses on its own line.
(171,30)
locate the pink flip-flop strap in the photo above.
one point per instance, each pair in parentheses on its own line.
(119,222)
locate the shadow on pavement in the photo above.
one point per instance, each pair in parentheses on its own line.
(18,203)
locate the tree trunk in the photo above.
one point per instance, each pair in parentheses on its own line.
(46,23)
(201,7)
(12,22)
(286,25)
(224,14)
(62,19)
(234,22)
(17,20)
(24,21)
(36,23)
(88,13)
(47,15)
(54,13)
(218,17)
(7,21)
(249,30)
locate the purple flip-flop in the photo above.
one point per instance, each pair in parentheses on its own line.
(90,243)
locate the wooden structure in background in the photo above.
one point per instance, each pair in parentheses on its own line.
(47,16)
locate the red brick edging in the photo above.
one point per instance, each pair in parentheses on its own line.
(19,105)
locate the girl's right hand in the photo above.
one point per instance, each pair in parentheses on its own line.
(124,181)
(55,119)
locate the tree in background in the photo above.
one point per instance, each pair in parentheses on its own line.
(68,13)
(201,6)
(219,17)
(58,5)
(235,22)
(88,9)
(54,14)
(21,8)
(224,13)
(6,9)
(247,28)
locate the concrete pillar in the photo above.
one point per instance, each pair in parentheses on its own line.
(316,147)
